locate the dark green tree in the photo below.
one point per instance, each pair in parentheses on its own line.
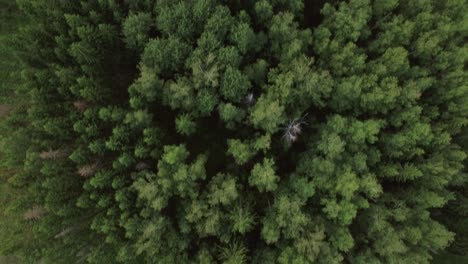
(212,131)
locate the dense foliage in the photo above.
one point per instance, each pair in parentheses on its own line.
(228,131)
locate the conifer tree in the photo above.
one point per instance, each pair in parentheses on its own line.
(212,131)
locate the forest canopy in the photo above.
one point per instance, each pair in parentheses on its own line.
(229,131)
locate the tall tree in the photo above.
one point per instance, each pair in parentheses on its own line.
(212,131)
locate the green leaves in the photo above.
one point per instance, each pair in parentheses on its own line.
(234,85)
(267,115)
(244,38)
(242,218)
(174,18)
(175,115)
(263,176)
(136,30)
(223,190)
(179,94)
(234,253)
(242,152)
(174,177)
(173,155)
(287,41)
(231,114)
(165,55)
(185,124)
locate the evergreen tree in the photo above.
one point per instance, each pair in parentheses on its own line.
(211,131)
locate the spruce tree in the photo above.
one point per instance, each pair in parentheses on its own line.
(211,131)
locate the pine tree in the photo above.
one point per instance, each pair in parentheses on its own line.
(211,131)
